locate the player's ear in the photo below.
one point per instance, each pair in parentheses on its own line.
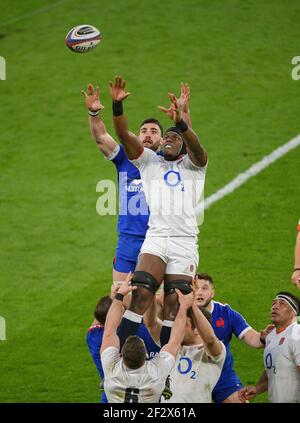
(212,292)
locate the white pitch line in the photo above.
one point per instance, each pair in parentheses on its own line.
(33,12)
(252,171)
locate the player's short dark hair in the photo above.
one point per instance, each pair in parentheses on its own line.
(205,276)
(206,313)
(295,299)
(102,308)
(153,120)
(134,352)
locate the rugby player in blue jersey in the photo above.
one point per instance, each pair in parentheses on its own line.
(227,322)
(173,184)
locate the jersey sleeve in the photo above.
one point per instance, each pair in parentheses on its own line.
(295,345)
(165,362)
(146,157)
(190,165)
(117,156)
(221,357)
(109,358)
(239,324)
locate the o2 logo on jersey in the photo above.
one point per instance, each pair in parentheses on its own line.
(185,367)
(173,179)
(269,363)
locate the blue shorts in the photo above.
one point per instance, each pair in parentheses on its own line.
(226,385)
(127,252)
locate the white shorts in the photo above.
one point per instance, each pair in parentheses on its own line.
(180,253)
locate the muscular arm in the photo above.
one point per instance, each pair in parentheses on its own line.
(130,141)
(104,140)
(195,150)
(177,332)
(252,338)
(211,342)
(296,273)
(113,319)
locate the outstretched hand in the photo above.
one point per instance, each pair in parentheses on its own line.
(178,105)
(92,99)
(117,89)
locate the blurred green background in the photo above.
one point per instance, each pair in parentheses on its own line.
(56,252)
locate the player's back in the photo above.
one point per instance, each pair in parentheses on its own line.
(143,385)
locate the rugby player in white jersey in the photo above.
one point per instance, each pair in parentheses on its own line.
(281,377)
(199,361)
(173,184)
(129,377)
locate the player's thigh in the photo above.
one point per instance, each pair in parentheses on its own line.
(152,264)
(183,256)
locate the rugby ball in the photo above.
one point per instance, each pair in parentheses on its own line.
(83,38)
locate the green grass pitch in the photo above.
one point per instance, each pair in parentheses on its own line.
(56,252)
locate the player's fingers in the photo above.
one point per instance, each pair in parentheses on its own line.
(126,95)
(97,91)
(179,293)
(90,89)
(163,109)
(123,83)
(84,94)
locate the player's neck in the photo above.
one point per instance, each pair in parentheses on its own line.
(281,327)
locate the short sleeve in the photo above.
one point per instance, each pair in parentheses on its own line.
(146,157)
(109,358)
(294,342)
(190,165)
(221,357)
(165,362)
(113,155)
(239,324)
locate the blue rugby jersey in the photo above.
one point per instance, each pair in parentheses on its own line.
(226,322)
(133,209)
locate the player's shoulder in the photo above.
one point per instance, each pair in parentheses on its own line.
(294,332)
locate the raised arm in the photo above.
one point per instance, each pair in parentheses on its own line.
(296,273)
(114,316)
(104,141)
(130,141)
(195,150)
(211,343)
(177,332)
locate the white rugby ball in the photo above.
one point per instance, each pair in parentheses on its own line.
(83,38)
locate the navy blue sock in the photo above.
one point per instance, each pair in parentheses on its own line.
(129,326)
(165,332)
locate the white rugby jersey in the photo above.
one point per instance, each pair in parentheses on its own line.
(195,375)
(173,189)
(142,385)
(281,358)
